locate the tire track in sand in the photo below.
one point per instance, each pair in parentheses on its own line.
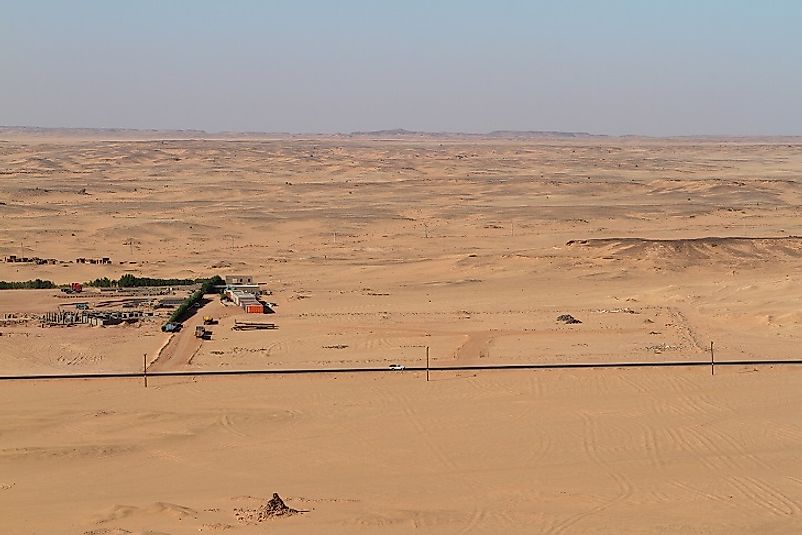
(479,515)
(717,450)
(765,496)
(624,487)
(624,491)
(683,486)
(425,434)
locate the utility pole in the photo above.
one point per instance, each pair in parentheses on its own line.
(712,360)
(145,368)
(427,364)
(427,358)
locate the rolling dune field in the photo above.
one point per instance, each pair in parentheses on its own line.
(370,250)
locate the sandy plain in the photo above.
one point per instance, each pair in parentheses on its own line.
(373,248)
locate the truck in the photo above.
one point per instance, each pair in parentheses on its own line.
(208,320)
(76,287)
(200,331)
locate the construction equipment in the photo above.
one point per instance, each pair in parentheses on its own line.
(208,320)
(200,331)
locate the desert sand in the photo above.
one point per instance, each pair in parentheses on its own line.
(375,247)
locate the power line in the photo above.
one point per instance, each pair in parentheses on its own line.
(472,367)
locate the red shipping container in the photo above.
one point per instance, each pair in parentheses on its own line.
(256,308)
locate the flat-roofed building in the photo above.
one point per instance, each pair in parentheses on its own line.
(237,280)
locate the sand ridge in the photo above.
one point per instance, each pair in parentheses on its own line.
(374,249)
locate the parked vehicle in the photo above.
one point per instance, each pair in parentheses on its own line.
(397,367)
(171,327)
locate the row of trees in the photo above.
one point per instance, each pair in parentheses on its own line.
(36,284)
(132,281)
(206,287)
(126,281)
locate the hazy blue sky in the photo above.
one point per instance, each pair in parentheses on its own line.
(650,67)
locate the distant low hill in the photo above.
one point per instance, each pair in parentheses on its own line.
(539,133)
(33,132)
(97,132)
(133,133)
(400,132)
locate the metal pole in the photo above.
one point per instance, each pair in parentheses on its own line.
(427,364)
(145,368)
(712,360)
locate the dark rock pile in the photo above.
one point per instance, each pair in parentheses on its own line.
(568,319)
(275,507)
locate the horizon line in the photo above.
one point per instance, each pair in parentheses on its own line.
(393,132)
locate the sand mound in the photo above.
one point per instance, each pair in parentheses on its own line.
(275,507)
(691,251)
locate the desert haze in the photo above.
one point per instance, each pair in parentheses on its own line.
(369,249)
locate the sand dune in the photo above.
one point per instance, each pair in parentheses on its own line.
(724,251)
(374,250)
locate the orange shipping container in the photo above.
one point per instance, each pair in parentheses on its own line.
(255,308)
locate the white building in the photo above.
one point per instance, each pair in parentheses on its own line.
(237,280)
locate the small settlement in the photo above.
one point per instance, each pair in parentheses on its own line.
(131,305)
(243,292)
